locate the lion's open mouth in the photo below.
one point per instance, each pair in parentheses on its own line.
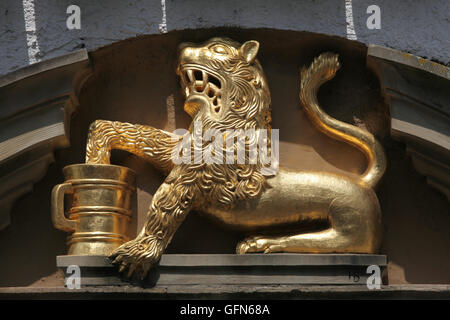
(199,81)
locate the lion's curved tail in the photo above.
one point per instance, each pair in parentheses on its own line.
(322,69)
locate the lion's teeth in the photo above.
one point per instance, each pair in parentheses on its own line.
(190,74)
(205,87)
(204,78)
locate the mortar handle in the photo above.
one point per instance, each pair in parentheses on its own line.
(59,219)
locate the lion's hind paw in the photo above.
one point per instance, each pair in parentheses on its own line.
(260,244)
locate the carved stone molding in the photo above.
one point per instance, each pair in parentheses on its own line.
(418,92)
(36,106)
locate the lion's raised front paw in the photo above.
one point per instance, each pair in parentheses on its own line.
(260,244)
(138,255)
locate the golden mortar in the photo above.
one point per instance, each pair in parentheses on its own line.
(100,210)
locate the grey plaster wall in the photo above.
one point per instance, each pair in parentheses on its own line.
(420,27)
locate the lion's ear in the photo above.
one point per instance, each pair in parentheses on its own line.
(249,50)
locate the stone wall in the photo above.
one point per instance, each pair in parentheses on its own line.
(418,27)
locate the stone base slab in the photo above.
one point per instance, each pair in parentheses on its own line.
(231,269)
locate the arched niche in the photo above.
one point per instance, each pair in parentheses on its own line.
(134,81)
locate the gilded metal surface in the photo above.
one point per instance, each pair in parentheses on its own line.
(99,215)
(225,88)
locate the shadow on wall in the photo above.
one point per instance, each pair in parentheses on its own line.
(30,244)
(416,219)
(134,81)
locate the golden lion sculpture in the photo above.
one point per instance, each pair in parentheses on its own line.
(225,89)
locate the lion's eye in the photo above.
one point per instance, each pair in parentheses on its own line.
(219,49)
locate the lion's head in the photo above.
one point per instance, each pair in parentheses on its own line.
(225,89)
(224,84)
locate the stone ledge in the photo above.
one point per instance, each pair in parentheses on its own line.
(435,291)
(408,59)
